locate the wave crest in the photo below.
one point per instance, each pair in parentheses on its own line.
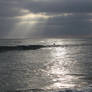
(35,47)
(41,90)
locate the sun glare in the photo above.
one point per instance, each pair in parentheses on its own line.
(29,24)
(34,15)
(59,68)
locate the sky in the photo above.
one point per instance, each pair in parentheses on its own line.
(45,18)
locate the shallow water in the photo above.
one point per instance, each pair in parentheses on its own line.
(66,66)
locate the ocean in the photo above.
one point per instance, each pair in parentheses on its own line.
(46,65)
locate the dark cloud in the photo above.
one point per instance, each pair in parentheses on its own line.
(65,17)
(75,25)
(14,7)
(58,6)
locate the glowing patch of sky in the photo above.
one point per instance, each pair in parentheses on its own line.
(31,23)
(27,24)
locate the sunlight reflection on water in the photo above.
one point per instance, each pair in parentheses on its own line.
(59,69)
(47,68)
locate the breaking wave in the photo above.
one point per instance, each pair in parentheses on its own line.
(41,90)
(35,47)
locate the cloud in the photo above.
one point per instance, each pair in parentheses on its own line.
(45,18)
(76,25)
(58,6)
(19,7)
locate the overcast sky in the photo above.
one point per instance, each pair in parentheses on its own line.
(45,18)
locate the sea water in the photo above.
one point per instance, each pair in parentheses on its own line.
(60,65)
